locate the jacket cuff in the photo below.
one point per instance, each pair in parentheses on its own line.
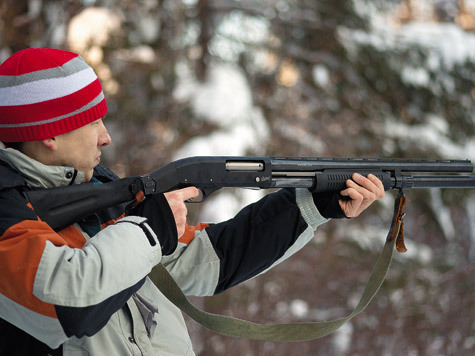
(148,232)
(308,209)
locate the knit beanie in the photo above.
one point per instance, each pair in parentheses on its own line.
(46,92)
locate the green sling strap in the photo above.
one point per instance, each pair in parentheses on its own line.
(282,332)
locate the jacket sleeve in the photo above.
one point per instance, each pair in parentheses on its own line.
(53,285)
(259,237)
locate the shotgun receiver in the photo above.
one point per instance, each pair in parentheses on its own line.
(61,207)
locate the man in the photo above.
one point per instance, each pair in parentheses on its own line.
(84,290)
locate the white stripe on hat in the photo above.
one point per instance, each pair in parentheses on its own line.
(89,105)
(46,89)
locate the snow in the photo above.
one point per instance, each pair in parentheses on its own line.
(416,76)
(454,45)
(430,137)
(225,97)
(224,100)
(321,75)
(417,252)
(235,32)
(445,45)
(342,338)
(223,206)
(299,308)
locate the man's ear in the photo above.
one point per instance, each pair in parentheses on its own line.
(50,143)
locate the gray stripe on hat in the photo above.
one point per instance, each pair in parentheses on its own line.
(91,104)
(73,66)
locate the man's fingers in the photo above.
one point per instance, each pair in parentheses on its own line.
(364,183)
(363,192)
(176,199)
(352,206)
(189,192)
(183,194)
(370,184)
(379,184)
(352,193)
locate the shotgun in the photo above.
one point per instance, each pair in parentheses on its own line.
(63,206)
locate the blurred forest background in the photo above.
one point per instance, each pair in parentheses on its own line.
(297,77)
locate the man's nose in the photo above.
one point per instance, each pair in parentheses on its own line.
(104,137)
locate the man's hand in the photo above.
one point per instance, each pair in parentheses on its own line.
(362,193)
(176,199)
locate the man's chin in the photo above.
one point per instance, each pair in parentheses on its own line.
(88,176)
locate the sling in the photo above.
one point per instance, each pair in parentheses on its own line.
(292,331)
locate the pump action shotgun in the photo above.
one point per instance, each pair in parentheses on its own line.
(63,206)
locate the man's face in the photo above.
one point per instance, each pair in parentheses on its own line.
(81,148)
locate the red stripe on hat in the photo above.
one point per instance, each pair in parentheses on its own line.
(56,128)
(51,108)
(29,60)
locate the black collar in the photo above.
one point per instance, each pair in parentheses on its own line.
(10,178)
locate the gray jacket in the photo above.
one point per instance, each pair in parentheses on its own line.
(90,295)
